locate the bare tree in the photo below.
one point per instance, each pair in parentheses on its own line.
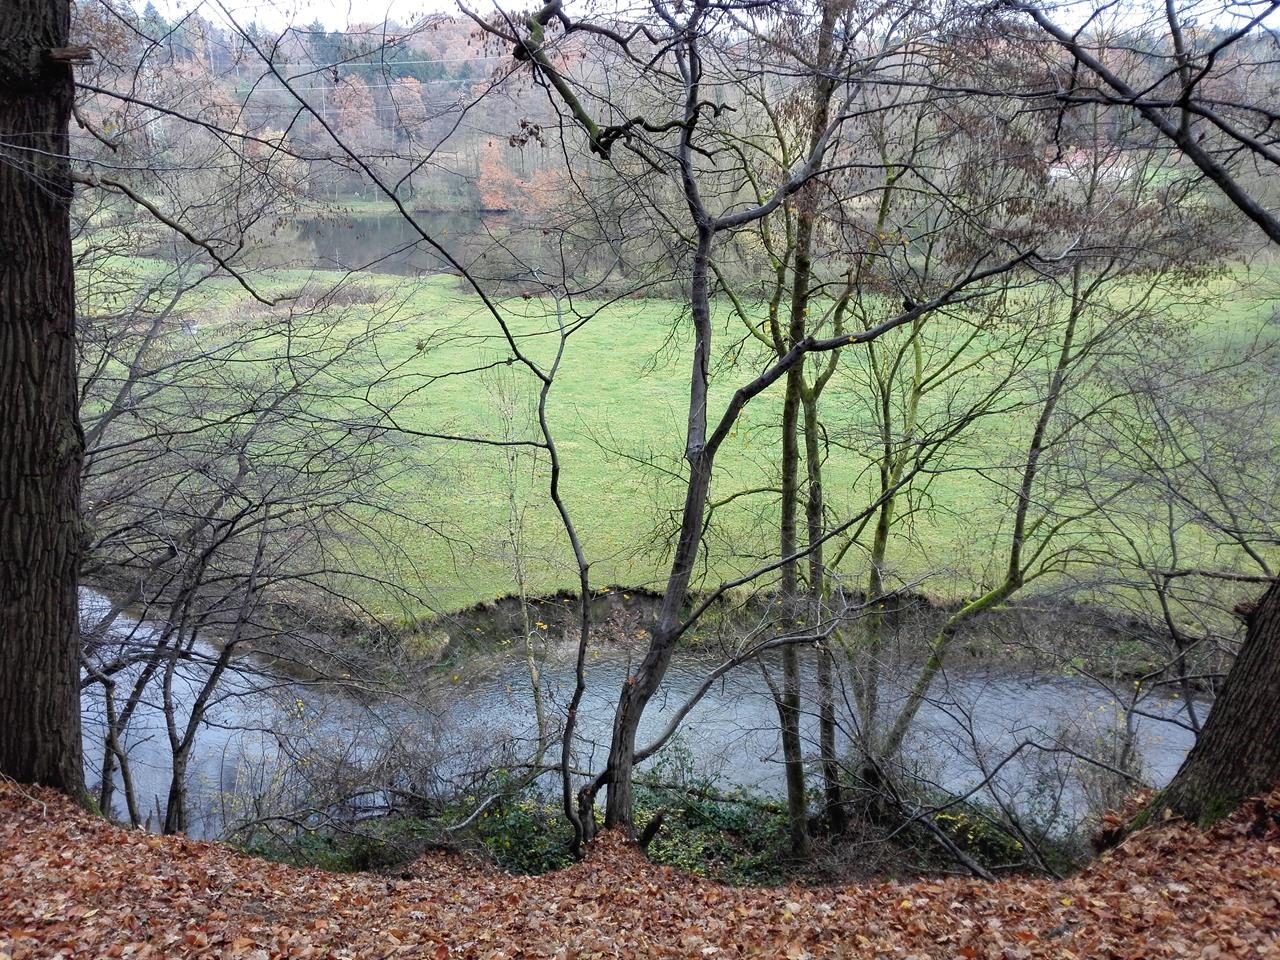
(1209,92)
(686,43)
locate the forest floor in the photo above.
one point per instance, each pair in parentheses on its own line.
(73,885)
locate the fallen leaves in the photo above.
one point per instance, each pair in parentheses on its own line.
(72,885)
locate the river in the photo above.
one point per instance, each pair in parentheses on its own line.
(493,246)
(974,721)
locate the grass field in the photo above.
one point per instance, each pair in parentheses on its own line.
(618,411)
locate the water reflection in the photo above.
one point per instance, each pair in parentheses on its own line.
(494,247)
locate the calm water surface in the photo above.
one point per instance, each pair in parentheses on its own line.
(975,720)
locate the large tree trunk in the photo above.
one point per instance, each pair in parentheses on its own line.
(41,445)
(1238,752)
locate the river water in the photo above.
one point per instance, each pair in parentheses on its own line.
(974,721)
(492,246)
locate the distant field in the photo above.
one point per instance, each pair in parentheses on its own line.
(618,411)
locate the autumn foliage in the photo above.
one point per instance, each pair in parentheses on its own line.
(501,189)
(72,885)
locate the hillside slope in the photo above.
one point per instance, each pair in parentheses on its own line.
(72,885)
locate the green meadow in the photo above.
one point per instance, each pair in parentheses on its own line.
(467,512)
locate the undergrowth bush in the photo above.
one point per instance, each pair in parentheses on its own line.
(526,833)
(735,839)
(375,844)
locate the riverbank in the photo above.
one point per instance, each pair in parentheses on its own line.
(1042,634)
(72,885)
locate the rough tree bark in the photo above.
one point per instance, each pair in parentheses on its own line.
(41,445)
(1237,754)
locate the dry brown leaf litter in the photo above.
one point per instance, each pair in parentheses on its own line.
(72,885)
